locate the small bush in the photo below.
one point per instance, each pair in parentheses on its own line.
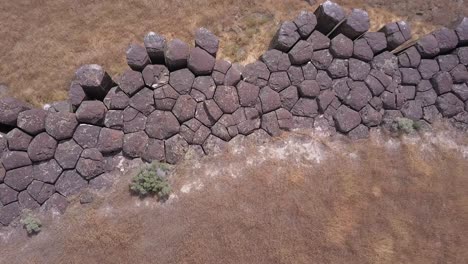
(406,125)
(31,223)
(151,181)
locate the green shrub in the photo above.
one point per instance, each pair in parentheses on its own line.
(31,223)
(151,180)
(406,125)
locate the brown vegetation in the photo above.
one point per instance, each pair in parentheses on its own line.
(43,41)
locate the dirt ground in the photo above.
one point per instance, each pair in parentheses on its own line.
(299,199)
(43,42)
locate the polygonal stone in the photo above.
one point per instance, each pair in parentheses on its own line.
(289,97)
(175,148)
(328,14)
(182,80)
(220,131)
(447,62)
(143,101)
(133,120)
(276,60)
(338,68)
(56,203)
(442,82)
(134,144)
(370,116)
(404,93)
(18,140)
(42,147)
(206,40)
(461,90)
(15,159)
(87,135)
(428,46)
(205,85)
(341,47)
(270,124)
(248,93)
(222,66)
(309,88)
(410,76)
(208,112)
(376,40)
(131,82)
(9,212)
(137,57)
(269,99)
(385,62)
(285,119)
(256,73)
(341,87)
(448,104)
(447,39)
(296,75)
(346,119)
(358,70)
(7,194)
(19,178)
(70,183)
(426,98)
(176,54)
(412,110)
(322,59)
(214,145)
(116,99)
(165,97)
(319,41)
(285,37)
(94,81)
(200,62)
(110,141)
(227,99)
(462,53)
(91,112)
(32,121)
(26,201)
(162,125)
(325,99)
(461,29)
(155,76)
(309,71)
(410,58)
(305,107)
(233,75)
(155,45)
(362,50)
(184,108)
(428,68)
(10,108)
(279,80)
(459,74)
(114,119)
(360,132)
(355,24)
(154,150)
(76,94)
(359,96)
(301,53)
(305,22)
(91,163)
(201,135)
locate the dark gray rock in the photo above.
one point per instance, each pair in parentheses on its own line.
(70,183)
(324,80)
(91,112)
(296,75)
(322,59)
(319,41)
(131,82)
(359,95)
(208,112)
(309,71)
(137,57)
(175,148)
(19,178)
(154,150)
(412,110)
(276,60)
(18,140)
(356,24)
(385,62)
(162,125)
(76,94)
(110,140)
(428,46)
(200,62)
(270,124)
(256,73)
(410,76)
(301,53)
(61,125)
(285,119)
(279,80)
(374,85)
(10,108)
(410,58)
(459,74)
(285,37)
(165,98)
(309,88)
(462,53)
(214,145)
(233,75)
(248,93)
(134,144)
(87,135)
(9,212)
(305,107)
(227,99)
(205,85)
(346,119)
(143,101)
(184,108)
(206,40)
(341,47)
(2,172)
(116,99)
(426,97)
(222,66)
(15,159)
(338,68)
(201,135)
(461,28)
(461,90)
(448,104)
(329,14)
(27,202)
(442,82)
(176,54)
(59,106)
(155,76)
(371,117)
(91,163)
(376,40)
(447,39)
(42,147)
(114,119)
(341,87)
(305,23)
(155,45)
(447,62)
(221,131)
(362,50)
(56,203)
(7,194)
(360,132)
(269,99)
(325,99)
(289,97)
(428,68)
(47,171)
(358,70)
(32,121)
(182,80)
(94,81)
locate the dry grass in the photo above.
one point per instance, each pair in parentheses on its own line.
(364,202)
(44,41)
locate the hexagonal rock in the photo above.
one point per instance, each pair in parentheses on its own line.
(182,80)
(155,45)
(449,105)
(426,98)
(137,57)
(355,24)
(134,144)
(318,40)
(91,163)
(270,100)
(296,75)
(371,117)
(359,96)
(201,135)
(442,82)
(133,120)
(376,40)
(205,85)
(305,107)
(447,39)
(309,88)
(428,46)
(338,68)
(184,109)
(176,54)
(329,14)
(461,90)
(248,93)
(220,131)
(325,99)
(410,58)
(91,112)
(447,62)
(358,70)
(289,97)
(276,60)
(162,125)
(341,47)
(412,110)
(155,76)
(19,178)
(131,82)
(165,97)
(301,52)
(18,140)
(285,37)
(154,150)
(305,23)
(322,59)
(207,41)
(116,99)
(428,68)
(233,75)
(9,212)
(15,159)
(42,147)
(56,203)
(461,28)
(110,141)
(460,74)
(87,135)
(48,171)
(200,62)
(270,124)
(256,73)
(26,201)
(346,119)
(32,121)
(385,62)
(7,194)
(114,119)
(175,148)
(227,99)
(362,50)
(70,183)
(285,119)
(143,101)
(410,76)
(279,80)
(222,66)
(94,81)
(10,108)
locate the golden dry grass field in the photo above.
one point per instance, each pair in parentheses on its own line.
(42,42)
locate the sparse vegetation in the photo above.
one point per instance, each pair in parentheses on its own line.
(151,180)
(31,223)
(406,125)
